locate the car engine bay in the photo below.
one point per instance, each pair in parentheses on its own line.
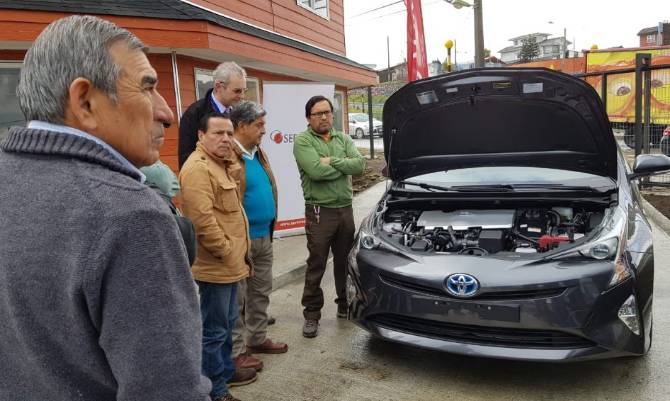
(484,232)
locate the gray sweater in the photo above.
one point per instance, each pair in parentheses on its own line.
(97,301)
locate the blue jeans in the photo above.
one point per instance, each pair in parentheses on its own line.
(219,310)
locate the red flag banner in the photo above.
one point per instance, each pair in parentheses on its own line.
(417,64)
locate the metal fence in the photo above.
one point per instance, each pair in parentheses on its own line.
(637,101)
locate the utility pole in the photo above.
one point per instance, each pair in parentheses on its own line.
(388,54)
(565,44)
(479,34)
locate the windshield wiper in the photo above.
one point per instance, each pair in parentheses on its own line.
(561,187)
(429,187)
(460,188)
(484,188)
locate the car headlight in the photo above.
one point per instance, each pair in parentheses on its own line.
(610,245)
(368,240)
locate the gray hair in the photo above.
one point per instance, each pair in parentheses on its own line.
(227,70)
(246,112)
(69,48)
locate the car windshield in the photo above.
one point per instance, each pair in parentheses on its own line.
(478,176)
(360,118)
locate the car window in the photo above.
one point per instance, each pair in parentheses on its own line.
(360,118)
(510,175)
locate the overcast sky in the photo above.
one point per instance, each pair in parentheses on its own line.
(607,23)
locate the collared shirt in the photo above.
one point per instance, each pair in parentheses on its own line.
(220,107)
(41,125)
(245,153)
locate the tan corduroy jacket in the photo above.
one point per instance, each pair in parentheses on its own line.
(211,199)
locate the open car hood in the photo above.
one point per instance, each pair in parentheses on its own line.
(498,117)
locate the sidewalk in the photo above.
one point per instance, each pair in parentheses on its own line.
(290,253)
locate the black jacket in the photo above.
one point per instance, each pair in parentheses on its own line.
(188,126)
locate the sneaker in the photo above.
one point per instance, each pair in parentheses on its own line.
(268,347)
(342,311)
(243,377)
(227,397)
(310,328)
(246,361)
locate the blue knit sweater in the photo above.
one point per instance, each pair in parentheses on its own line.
(259,202)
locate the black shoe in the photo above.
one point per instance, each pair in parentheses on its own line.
(271,320)
(342,311)
(311,328)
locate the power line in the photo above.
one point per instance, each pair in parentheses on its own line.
(378,8)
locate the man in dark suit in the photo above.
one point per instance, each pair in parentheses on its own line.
(230,84)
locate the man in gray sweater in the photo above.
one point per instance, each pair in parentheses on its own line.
(97,300)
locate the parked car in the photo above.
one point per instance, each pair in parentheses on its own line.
(359,126)
(512,227)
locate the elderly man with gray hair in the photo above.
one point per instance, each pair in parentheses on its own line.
(97,298)
(230,85)
(258,190)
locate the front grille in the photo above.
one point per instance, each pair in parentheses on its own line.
(490,296)
(494,336)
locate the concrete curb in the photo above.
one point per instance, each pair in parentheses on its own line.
(291,275)
(657,217)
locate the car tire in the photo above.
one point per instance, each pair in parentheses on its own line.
(358,134)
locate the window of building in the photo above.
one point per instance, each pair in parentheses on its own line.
(204,81)
(651,38)
(10,113)
(338,111)
(319,7)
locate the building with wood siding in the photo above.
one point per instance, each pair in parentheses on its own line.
(274,40)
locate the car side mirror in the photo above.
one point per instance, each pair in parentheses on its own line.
(649,164)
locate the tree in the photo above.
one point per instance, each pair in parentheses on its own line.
(529,49)
(487,53)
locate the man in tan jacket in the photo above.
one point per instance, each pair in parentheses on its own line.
(211,199)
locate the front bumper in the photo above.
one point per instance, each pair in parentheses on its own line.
(549,312)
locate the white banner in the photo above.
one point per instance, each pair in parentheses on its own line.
(285,105)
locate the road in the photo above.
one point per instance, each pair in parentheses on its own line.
(344,363)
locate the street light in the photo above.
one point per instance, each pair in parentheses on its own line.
(564,44)
(458,4)
(479,27)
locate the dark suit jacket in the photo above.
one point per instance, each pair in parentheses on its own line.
(188,126)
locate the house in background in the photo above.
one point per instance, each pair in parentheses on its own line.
(274,40)
(655,36)
(550,48)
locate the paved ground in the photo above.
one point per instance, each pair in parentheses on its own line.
(345,363)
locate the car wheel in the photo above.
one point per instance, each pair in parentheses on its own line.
(358,134)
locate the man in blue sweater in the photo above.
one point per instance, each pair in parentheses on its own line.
(259,193)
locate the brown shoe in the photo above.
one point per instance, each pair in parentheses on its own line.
(243,377)
(246,361)
(268,347)
(227,397)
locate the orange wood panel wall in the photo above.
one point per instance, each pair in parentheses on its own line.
(286,17)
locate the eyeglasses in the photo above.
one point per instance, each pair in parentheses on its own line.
(321,114)
(237,91)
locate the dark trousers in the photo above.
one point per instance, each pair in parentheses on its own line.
(218,306)
(327,229)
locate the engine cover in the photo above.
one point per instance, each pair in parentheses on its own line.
(464,219)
